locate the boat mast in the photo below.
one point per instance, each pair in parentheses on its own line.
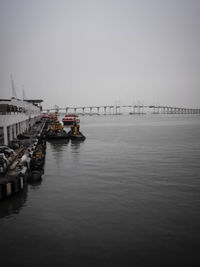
(23,93)
(14,95)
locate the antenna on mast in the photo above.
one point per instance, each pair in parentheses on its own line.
(23,93)
(14,95)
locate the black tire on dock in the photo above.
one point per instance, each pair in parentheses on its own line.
(15,186)
(36,176)
(9,189)
(3,186)
(21,182)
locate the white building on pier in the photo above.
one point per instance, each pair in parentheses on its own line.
(17,116)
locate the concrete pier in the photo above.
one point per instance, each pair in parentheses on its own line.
(19,170)
(21,127)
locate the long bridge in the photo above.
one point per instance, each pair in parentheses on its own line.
(117,110)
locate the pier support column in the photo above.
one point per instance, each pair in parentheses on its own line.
(98,110)
(27,125)
(104,110)
(134,106)
(23,126)
(139,109)
(164,110)
(17,128)
(5,135)
(90,110)
(116,110)
(14,131)
(10,133)
(20,128)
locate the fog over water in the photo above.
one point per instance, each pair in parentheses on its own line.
(88,52)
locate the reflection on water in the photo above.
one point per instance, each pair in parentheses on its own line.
(35,185)
(75,144)
(14,204)
(56,143)
(58,147)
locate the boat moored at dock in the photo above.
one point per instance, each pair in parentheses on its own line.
(70,119)
(56,131)
(23,134)
(50,116)
(75,133)
(77,137)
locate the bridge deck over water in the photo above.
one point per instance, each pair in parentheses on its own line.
(132,109)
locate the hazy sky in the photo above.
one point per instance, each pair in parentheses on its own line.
(84,52)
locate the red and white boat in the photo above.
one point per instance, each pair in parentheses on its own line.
(70,119)
(45,115)
(50,116)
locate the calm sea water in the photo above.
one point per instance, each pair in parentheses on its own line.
(127,196)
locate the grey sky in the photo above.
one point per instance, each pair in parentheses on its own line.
(73,52)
